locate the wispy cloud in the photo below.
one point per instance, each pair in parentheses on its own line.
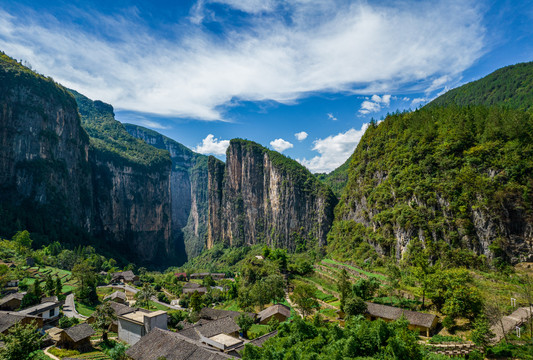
(280,145)
(212,146)
(332,117)
(334,150)
(315,46)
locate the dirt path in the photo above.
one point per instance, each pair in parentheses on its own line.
(69,309)
(50,355)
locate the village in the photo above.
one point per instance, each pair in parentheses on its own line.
(143,315)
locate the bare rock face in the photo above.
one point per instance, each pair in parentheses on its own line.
(92,186)
(260,196)
(188,190)
(43,148)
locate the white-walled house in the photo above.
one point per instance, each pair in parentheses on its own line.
(48,311)
(134,325)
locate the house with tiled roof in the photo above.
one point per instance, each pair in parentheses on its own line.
(172,346)
(134,325)
(278,311)
(77,337)
(9,319)
(11,301)
(418,321)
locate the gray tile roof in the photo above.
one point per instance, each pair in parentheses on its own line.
(172,346)
(215,314)
(211,328)
(40,308)
(9,297)
(392,313)
(274,309)
(116,295)
(258,341)
(8,319)
(79,332)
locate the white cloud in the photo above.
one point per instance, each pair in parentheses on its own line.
(334,150)
(332,117)
(280,145)
(212,145)
(374,104)
(302,135)
(358,47)
(153,124)
(418,101)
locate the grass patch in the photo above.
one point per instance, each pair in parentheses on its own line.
(85,310)
(369,274)
(257,330)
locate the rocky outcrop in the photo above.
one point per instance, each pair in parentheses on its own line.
(264,197)
(188,190)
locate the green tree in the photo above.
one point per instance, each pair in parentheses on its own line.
(245,322)
(20,342)
(144,296)
(22,242)
(343,287)
(355,306)
(104,315)
(304,295)
(58,287)
(49,285)
(37,290)
(208,281)
(196,302)
(365,288)
(422,271)
(481,334)
(86,276)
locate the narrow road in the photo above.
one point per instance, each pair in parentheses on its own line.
(69,309)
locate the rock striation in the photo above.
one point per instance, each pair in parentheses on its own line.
(261,196)
(188,191)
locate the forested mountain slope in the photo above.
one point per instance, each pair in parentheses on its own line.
(511,86)
(454,179)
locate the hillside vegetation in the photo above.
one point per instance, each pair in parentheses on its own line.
(455,178)
(111,140)
(511,86)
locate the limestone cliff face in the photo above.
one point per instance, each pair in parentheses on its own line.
(131,187)
(264,197)
(43,148)
(188,190)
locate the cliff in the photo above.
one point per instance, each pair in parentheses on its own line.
(131,188)
(263,197)
(457,181)
(188,190)
(43,156)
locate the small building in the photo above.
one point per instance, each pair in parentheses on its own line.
(198,275)
(117,296)
(278,311)
(48,311)
(9,319)
(134,325)
(12,301)
(205,329)
(126,277)
(257,342)
(13,283)
(77,337)
(418,321)
(170,345)
(218,276)
(191,288)
(181,276)
(215,314)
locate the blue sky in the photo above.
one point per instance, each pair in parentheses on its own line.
(303,77)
